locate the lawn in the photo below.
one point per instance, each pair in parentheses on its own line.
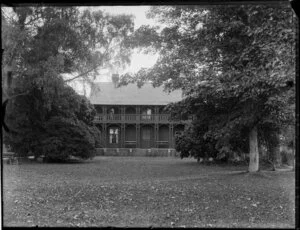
(145,191)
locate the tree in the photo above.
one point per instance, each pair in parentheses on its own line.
(83,42)
(202,143)
(192,143)
(57,130)
(106,36)
(39,97)
(234,65)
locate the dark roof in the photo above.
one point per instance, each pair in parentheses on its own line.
(131,94)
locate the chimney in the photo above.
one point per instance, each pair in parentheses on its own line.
(115,79)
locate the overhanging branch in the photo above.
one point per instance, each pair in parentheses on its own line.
(82,74)
(90,70)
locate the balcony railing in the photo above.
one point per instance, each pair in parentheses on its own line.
(132,118)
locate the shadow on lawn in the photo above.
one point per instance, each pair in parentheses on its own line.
(72,161)
(267,173)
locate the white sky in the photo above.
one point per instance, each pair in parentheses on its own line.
(138,11)
(138,60)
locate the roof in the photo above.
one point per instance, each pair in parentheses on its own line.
(131,94)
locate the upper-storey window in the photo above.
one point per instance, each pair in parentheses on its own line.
(98,109)
(111,113)
(146,114)
(130,110)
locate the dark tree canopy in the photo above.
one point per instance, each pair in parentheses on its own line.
(46,116)
(235,65)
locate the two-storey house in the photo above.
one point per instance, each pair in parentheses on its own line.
(133,117)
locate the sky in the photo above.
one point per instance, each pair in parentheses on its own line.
(138,60)
(138,11)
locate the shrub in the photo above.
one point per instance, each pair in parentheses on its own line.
(67,137)
(190,144)
(287,155)
(58,129)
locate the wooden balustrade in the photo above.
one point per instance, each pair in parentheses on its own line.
(114,117)
(164,117)
(98,118)
(145,117)
(132,117)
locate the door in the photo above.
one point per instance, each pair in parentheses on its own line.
(130,137)
(146,140)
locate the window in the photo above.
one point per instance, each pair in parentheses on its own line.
(111,114)
(146,114)
(148,111)
(113,135)
(98,109)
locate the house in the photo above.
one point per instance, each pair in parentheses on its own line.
(133,117)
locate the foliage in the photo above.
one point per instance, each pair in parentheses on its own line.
(235,65)
(192,143)
(72,42)
(66,137)
(59,130)
(83,42)
(288,136)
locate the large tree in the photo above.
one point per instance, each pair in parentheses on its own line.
(235,65)
(82,41)
(40,45)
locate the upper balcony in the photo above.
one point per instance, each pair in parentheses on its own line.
(135,118)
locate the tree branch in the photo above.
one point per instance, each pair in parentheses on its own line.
(20,94)
(80,75)
(90,70)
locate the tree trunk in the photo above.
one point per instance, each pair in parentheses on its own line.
(274,151)
(277,152)
(254,156)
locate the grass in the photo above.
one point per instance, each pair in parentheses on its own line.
(144,191)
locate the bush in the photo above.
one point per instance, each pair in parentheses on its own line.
(66,138)
(61,128)
(287,155)
(191,145)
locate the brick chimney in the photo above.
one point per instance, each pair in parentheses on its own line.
(115,79)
